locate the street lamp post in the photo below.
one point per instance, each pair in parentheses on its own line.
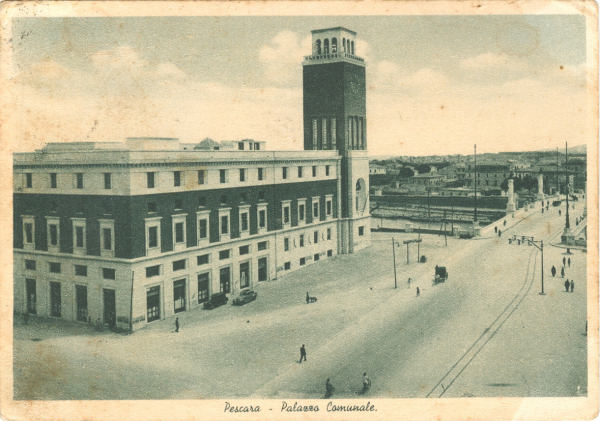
(540,247)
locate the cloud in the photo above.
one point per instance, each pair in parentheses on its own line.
(492,61)
(389,75)
(282,55)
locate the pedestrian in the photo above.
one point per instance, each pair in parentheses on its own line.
(328,389)
(564,261)
(567,284)
(562,272)
(572,285)
(366,382)
(302,354)
(418,291)
(504,223)
(409,282)
(559,212)
(176,324)
(569,261)
(495,229)
(307,297)
(499,233)
(553,270)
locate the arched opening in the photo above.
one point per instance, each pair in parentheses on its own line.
(326,46)
(333,45)
(361,195)
(318,49)
(344,44)
(352,47)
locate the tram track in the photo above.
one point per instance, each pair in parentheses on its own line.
(454,372)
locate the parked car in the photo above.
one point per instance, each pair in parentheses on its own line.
(216,300)
(246,295)
(556,203)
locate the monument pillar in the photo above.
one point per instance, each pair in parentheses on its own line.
(510,205)
(540,194)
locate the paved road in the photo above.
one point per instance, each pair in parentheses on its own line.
(438,344)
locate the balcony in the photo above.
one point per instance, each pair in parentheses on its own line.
(330,57)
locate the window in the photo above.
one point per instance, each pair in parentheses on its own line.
(314,170)
(286,214)
(242,174)
(301,210)
(316,237)
(28,231)
(263,245)
(30,264)
(302,261)
(53,182)
(178,204)
(299,172)
(53,234)
(202,259)
(153,237)
(323,143)
(287,266)
(244,250)
(244,224)
(224,254)
(316,257)
(80,270)
(261,174)
(315,212)
(150,180)
(224,224)
(106,239)
(327,170)
(178,265)
(108,273)
(284,174)
(202,228)
(151,206)
(179,234)
(262,218)
(201,176)
(328,206)
(107,180)
(176,178)
(301,240)
(361,230)
(329,253)
(54,267)
(333,134)
(223,176)
(315,133)
(28,227)
(79,237)
(286,244)
(152,271)
(28,180)
(203,281)
(329,233)
(79,180)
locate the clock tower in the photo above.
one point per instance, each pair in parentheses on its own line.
(334,105)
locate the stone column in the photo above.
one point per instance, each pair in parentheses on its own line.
(510,205)
(540,193)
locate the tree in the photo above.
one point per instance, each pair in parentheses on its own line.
(406,172)
(423,168)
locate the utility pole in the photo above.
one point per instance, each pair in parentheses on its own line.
(567,187)
(541,248)
(394,256)
(475,182)
(556,172)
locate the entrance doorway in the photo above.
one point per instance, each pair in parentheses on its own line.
(263,272)
(225,279)
(110,308)
(81,299)
(55,301)
(203,287)
(244,274)
(179,295)
(30,291)
(153,303)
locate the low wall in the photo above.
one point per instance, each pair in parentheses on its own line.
(491,202)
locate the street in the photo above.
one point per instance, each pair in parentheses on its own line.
(486,331)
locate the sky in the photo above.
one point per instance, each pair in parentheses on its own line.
(435,84)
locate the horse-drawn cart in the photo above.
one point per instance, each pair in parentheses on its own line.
(441,274)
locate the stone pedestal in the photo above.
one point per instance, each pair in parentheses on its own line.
(567,237)
(510,205)
(540,193)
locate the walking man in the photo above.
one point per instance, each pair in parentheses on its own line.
(302,354)
(572,285)
(176,324)
(418,291)
(408,282)
(569,261)
(366,381)
(562,272)
(564,261)
(307,297)
(553,270)
(328,389)
(567,284)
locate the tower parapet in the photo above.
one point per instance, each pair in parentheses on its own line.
(332,45)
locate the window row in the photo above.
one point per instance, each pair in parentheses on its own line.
(78,180)
(302,210)
(78,270)
(323,46)
(79,232)
(304,239)
(302,261)
(324,134)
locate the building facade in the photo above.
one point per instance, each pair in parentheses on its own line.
(123,234)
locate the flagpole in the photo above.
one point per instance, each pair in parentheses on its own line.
(394,255)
